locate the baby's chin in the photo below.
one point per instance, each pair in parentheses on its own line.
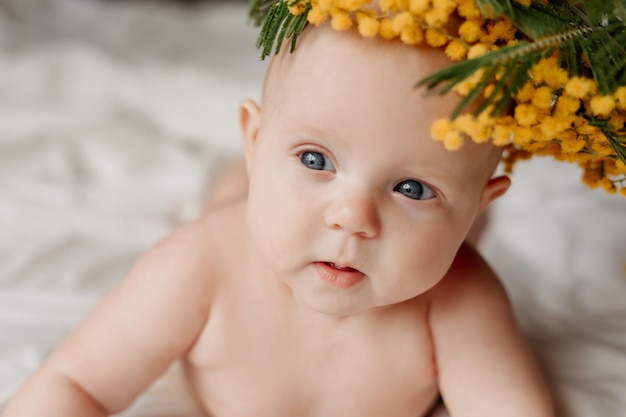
(337,304)
(334,305)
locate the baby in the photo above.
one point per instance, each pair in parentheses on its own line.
(340,285)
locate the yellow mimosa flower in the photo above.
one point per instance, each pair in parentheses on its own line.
(341,19)
(401,21)
(317,15)
(571,142)
(601,105)
(412,35)
(566,106)
(470,31)
(468,9)
(522,135)
(456,50)
(502,135)
(434,37)
(386,29)
(543,98)
(368,26)
(579,87)
(440,128)
(526,114)
(453,141)
(418,7)
(526,93)
(326,5)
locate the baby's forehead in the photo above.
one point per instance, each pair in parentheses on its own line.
(323,47)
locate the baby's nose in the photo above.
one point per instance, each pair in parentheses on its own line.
(356,215)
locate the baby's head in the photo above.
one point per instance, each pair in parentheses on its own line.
(344,171)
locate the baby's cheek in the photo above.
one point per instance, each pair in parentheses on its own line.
(430,261)
(272,225)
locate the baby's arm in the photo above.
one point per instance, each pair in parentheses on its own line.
(485,366)
(130,338)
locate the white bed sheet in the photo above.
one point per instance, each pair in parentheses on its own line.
(114,117)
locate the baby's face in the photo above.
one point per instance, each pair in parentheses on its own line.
(352,204)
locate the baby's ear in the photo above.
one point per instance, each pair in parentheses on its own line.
(249,122)
(495,188)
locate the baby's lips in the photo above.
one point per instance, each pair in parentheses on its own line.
(341,268)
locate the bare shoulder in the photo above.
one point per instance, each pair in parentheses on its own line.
(469,308)
(196,252)
(480,352)
(185,259)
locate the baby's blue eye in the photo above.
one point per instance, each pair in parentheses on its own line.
(317,161)
(414,190)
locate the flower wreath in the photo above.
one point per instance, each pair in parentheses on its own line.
(560,65)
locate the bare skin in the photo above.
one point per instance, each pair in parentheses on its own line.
(332,280)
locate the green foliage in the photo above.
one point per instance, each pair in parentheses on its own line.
(277,23)
(589,38)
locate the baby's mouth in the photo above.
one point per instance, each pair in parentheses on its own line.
(341,268)
(341,277)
